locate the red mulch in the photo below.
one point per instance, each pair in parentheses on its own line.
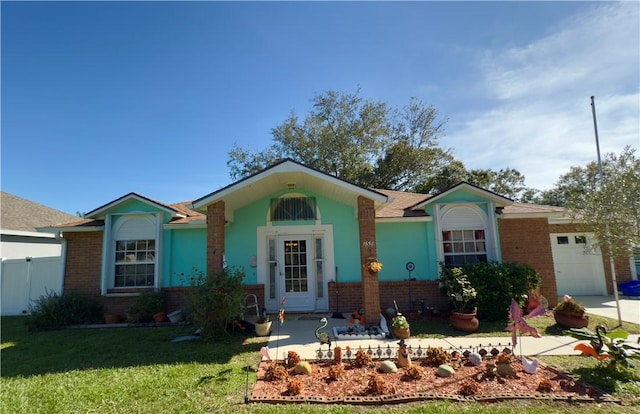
(353,385)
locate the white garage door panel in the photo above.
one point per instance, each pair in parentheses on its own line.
(577,272)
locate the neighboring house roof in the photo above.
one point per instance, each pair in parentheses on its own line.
(19,214)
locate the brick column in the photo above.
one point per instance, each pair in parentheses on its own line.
(215,237)
(370,286)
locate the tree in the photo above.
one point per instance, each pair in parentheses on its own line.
(358,140)
(608,206)
(574,183)
(342,135)
(371,145)
(507,182)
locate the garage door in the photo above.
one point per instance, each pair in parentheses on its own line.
(578,272)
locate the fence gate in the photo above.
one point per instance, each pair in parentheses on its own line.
(24,280)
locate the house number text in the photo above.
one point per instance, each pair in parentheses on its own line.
(369,243)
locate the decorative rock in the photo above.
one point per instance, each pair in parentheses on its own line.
(388,367)
(445,371)
(475,359)
(303,367)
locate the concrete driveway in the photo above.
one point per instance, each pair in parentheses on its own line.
(606,306)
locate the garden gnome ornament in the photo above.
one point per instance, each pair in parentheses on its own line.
(404,360)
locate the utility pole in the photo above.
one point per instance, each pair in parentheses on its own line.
(606,218)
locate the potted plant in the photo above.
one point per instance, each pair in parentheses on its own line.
(146,305)
(462,296)
(569,313)
(400,326)
(373,266)
(263,326)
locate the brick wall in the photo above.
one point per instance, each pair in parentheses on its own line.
(83,263)
(370,286)
(348,297)
(527,241)
(215,237)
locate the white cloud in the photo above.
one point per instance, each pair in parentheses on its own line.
(541,122)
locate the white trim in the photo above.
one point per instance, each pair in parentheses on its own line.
(496,198)
(132,196)
(43,235)
(262,269)
(404,219)
(287,167)
(108,265)
(72,229)
(490,237)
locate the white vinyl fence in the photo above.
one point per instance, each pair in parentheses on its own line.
(24,280)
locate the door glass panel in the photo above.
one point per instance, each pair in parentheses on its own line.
(295,265)
(319,269)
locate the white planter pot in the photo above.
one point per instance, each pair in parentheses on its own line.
(263,329)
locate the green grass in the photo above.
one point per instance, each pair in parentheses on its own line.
(438,327)
(138,370)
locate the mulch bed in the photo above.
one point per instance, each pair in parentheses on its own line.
(353,386)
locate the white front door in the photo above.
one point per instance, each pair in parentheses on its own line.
(296,279)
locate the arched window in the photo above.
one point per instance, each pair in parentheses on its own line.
(293,209)
(464,235)
(134,240)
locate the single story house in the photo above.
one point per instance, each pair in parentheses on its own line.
(305,235)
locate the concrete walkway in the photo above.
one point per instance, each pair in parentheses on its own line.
(299,335)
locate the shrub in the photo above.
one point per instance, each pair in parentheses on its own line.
(275,372)
(362,359)
(497,283)
(54,311)
(145,306)
(215,301)
(335,372)
(436,356)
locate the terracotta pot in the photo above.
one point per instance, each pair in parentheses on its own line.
(571,319)
(111,318)
(401,333)
(160,317)
(466,322)
(263,329)
(337,355)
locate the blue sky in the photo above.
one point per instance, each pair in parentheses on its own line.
(101,99)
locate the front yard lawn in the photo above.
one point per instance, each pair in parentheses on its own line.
(138,370)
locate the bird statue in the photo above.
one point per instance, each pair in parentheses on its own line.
(599,343)
(530,365)
(323,337)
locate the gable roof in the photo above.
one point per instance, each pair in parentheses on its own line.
(287,175)
(19,214)
(499,200)
(402,205)
(102,210)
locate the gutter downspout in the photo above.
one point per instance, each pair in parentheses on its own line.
(63,255)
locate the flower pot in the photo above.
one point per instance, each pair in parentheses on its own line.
(263,329)
(159,317)
(111,318)
(401,333)
(175,316)
(465,322)
(571,319)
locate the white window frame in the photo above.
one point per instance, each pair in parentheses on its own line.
(487,224)
(108,287)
